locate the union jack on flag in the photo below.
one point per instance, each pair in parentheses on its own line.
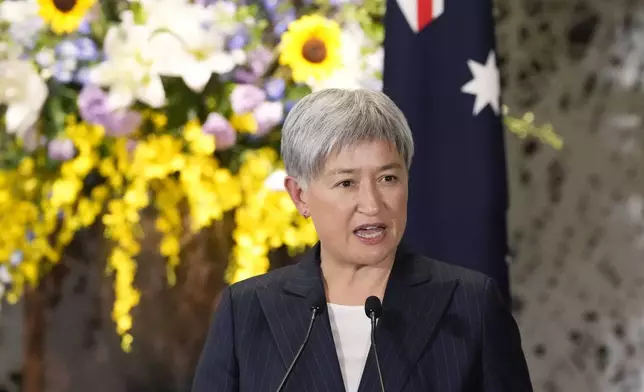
(420,13)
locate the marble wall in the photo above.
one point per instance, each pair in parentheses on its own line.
(577,215)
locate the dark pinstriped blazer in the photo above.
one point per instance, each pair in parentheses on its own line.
(443,329)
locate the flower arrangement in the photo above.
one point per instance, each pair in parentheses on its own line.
(110,108)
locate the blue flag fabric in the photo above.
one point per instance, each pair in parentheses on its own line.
(445,80)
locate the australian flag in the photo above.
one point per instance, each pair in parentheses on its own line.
(441,70)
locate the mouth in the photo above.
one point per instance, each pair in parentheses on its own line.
(370,231)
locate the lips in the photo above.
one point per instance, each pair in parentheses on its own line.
(371,233)
(370,226)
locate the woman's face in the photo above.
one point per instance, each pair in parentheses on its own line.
(358,203)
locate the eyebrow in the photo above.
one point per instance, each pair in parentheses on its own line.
(388,166)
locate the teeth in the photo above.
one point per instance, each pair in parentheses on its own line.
(370,233)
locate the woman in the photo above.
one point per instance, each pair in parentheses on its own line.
(443,328)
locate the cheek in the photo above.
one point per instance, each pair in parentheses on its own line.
(397,200)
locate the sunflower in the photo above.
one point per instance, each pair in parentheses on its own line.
(64,16)
(311,47)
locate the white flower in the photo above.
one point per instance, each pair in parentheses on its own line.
(358,70)
(130,71)
(5,279)
(191,40)
(24,92)
(275,181)
(194,54)
(18,11)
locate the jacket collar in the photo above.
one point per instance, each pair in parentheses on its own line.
(413,307)
(307,280)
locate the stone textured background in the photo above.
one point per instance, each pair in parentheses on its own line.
(576,217)
(576,226)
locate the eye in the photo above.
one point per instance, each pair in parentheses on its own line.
(389,178)
(345,183)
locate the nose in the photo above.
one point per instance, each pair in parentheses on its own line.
(369,199)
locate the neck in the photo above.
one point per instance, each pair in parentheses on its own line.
(351,284)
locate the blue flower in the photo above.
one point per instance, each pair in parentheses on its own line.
(16,257)
(283,21)
(270,6)
(64,71)
(67,50)
(275,89)
(85,27)
(87,50)
(288,105)
(238,41)
(82,76)
(45,58)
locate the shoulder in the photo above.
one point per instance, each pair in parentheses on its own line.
(442,271)
(244,290)
(473,287)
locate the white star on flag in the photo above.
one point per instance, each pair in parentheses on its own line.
(485,84)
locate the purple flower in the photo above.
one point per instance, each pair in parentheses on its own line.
(131,145)
(275,88)
(217,125)
(92,104)
(30,140)
(246,97)
(61,149)
(258,62)
(268,115)
(122,123)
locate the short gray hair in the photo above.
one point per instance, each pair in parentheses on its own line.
(325,121)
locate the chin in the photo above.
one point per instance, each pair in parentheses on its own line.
(374,252)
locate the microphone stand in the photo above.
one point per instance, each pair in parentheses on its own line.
(372,317)
(315,311)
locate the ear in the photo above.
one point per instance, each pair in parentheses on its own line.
(297,193)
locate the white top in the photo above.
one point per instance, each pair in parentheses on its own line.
(352,335)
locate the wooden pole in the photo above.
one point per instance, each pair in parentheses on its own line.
(33,372)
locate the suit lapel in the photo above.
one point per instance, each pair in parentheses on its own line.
(288,312)
(413,306)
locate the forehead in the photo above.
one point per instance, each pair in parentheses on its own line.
(376,153)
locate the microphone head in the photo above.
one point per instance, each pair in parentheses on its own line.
(373,306)
(318,304)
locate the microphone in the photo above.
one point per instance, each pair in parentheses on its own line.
(316,310)
(373,309)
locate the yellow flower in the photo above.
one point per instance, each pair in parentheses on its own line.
(199,142)
(311,48)
(64,16)
(244,122)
